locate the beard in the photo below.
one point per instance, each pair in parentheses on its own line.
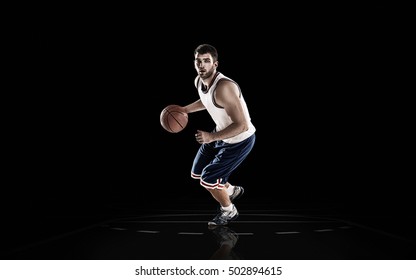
(207,74)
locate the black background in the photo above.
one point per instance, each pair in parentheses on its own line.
(322,86)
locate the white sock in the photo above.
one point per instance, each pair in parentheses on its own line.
(230,189)
(228,208)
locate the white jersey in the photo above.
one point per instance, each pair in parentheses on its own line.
(218,114)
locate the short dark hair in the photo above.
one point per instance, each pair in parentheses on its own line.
(206,48)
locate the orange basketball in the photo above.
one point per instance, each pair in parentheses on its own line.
(173,119)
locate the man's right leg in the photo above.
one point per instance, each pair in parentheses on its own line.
(228,211)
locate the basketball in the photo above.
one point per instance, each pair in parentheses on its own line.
(173,119)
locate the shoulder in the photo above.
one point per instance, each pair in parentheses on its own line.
(226,84)
(196,81)
(226,91)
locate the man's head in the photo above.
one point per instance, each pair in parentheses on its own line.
(206,60)
(207,49)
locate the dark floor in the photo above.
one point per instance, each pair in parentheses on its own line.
(123,231)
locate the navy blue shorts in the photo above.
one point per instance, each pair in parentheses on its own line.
(215,161)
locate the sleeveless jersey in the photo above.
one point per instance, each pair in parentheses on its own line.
(218,114)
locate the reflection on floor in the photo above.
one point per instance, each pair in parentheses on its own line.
(257,234)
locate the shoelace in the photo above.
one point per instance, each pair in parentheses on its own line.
(226,213)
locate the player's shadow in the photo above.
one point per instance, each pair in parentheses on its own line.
(227,240)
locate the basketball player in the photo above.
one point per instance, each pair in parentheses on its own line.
(224,148)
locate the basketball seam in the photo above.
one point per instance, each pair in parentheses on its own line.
(171,114)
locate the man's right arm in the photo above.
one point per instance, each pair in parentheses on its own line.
(194,107)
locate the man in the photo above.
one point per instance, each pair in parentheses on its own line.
(223,149)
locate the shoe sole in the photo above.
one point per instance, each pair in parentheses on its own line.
(239,195)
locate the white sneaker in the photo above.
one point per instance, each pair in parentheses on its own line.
(224,217)
(238,192)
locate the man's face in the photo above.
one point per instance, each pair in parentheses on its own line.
(205,65)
